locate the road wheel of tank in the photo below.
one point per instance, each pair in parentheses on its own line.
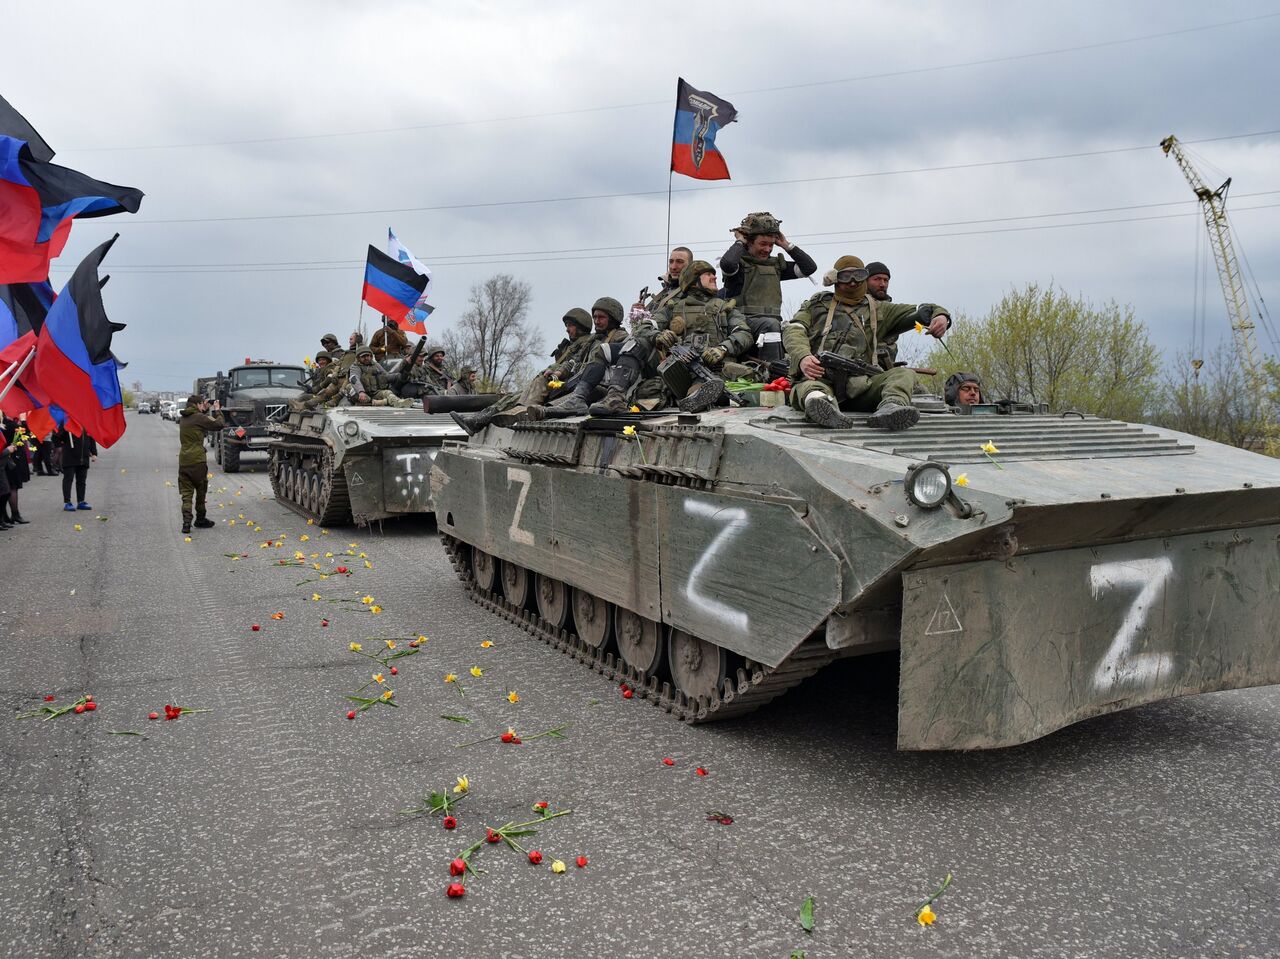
(313,485)
(553,601)
(592,620)
(639,641)
(485,569)
(516,585)
(230,458)
(697,667)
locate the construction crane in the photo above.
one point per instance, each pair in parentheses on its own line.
(1213,204)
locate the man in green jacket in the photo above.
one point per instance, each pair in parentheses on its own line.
(193,467)
(849,322)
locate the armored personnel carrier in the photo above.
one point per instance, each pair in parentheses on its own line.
(1031,570)
(357,463)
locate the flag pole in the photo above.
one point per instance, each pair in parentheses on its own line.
(667,248)
(15,373)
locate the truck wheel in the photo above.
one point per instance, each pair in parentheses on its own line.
(217,450)
(230,458)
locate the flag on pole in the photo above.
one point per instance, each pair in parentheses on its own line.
(74,361)
(38,200)
(416,319)
(22,311)
(699,117)
(391,287)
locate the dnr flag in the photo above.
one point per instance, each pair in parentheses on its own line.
(699,116)
(390,287)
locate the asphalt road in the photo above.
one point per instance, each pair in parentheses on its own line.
(269,825)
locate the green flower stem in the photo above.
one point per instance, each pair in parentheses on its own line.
(932,899)
(994,462)
(549,732)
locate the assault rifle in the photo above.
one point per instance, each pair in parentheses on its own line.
(839,368)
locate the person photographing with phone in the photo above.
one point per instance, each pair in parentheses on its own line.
(193,466)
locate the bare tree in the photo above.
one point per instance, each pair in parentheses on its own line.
(493,335)
(1214,402)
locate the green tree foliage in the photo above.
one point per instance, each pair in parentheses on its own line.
(126,397)
(1040,345)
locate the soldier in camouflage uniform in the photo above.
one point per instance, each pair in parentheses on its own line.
(694,317)
(430,374)
(569,356)
(608,344)
(389,341)
(465,384)
(753,279)
(316,379)
(668,286)
(368,384)
(849,322)
(329,344)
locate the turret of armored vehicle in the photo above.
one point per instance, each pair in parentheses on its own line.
(1032,570)
(358,463)
(252,396)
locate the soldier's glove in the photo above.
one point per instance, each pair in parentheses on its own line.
(665,340)
(713,355)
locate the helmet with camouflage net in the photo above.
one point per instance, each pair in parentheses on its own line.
(690,275)
(757,224)
(607,304)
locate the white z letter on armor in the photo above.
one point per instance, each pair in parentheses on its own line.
(1119,665)
(522,477)
(735,520)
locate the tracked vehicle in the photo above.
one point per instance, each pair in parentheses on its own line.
(1075,566)
(357,464)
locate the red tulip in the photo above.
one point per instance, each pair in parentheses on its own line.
(515,740)
(457,867)
(507,737)
(341,569)
(255,627)
(627,694)
(491,836)
(449,822)
(153,715)
(581,861)
(700,771)
(88,698)
(324,622)
(456,890)
(394,671)
(535,857)
(48,699)
(79,707)
(351,714)
(539,805)
(90,706)
(668,761)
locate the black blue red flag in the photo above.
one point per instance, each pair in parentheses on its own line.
(699,117)
(22,311)
(391,287)
(74,362)
(39,199)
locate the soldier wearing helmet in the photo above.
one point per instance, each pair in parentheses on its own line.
(329,343)
(429,372)
(369,384)
(848,321)
(465,384)
(753,278)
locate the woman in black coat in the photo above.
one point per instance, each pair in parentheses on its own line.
(77,453)
(17,469)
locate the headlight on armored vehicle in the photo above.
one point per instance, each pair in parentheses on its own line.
(351,427)
(927,485)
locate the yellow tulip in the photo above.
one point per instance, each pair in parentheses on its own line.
(388,694)
(628,431)
(926,916)
(463,784)
(477,671)
(558,866)
(450,677)
(391,644)
(962,479)
(513,697)
(355,647)
(486,644)
(989,447)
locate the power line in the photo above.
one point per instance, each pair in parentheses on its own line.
(964,64)
(445,259)
(141,271)
(691,189)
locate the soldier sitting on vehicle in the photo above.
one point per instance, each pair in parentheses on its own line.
(753,279)
(669,285)
(388,342)
(606,345)
(963,389)
(848,323)
(429,373)
(315,381)
(370,385)
(710,330)
(329,344)
(465,384)
(569,356)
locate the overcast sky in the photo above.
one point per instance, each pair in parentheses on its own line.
(271,139)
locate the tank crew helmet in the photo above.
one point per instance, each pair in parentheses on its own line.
(848,269)
(951,389)
(329,341)
(692,273)
(610,306)
(876,268)
(578,317)
(363,351)
(323,355)
(757,224)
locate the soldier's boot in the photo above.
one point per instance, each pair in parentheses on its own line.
(621,378)
(203,522)
(702,395)
(473,423)
(821,409)
(892,416)
(575,404)
(521,414)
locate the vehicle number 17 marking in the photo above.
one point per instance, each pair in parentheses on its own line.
(1121,665)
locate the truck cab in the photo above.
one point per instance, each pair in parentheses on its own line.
(252,394)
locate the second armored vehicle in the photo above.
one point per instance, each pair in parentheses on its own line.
(252,396)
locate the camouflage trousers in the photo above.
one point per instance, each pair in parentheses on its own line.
(193,482)
(387,398)
(864,393)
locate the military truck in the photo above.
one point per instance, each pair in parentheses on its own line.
(1031,570)
(252,395)
(359,463)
